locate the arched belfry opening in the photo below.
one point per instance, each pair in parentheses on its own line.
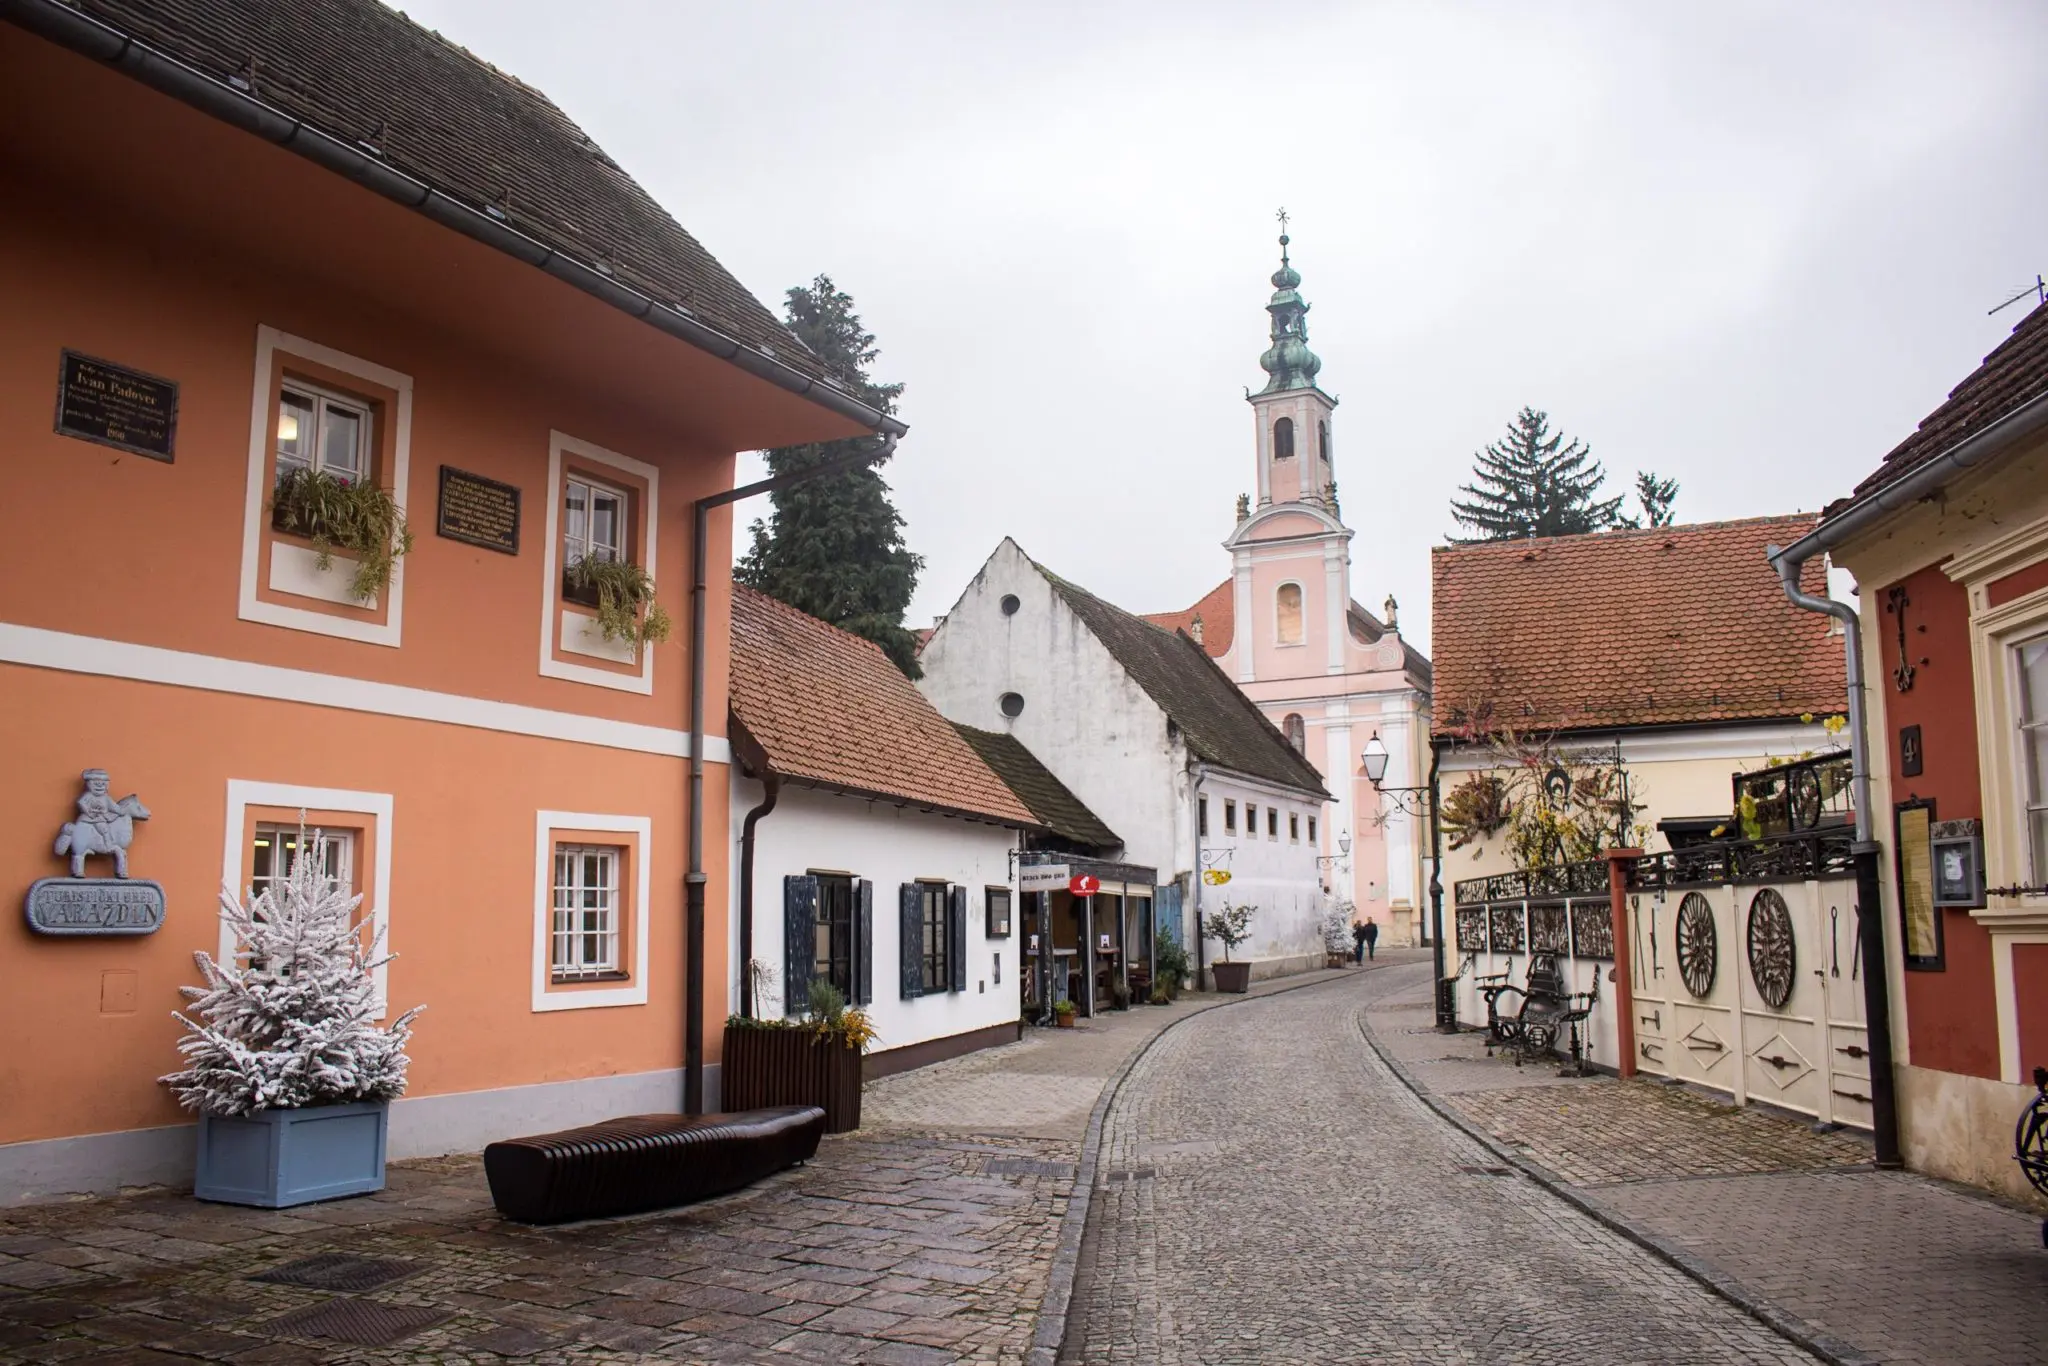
(1283,439)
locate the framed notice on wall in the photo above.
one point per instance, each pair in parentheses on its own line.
(1919,917)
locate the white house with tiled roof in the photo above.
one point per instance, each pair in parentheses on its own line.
(1139,723)
(873,846)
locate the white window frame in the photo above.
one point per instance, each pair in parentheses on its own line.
(375,806)
(613,551)
(550,828)
(642,520)
(255,513)
(566,944)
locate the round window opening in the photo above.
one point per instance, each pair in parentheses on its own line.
(1010,604)
(1012,704)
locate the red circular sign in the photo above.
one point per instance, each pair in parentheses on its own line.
(1085,885)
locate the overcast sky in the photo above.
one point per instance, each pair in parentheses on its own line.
(1748,246)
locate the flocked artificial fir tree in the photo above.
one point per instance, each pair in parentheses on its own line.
(292,1020)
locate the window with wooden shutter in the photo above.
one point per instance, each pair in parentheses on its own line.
(956,936)
(910,940)
(799,940)
(864,945)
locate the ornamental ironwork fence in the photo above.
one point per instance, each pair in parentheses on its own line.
(1813,856)
(1793,798)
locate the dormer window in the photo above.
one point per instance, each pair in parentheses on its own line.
(1283,439)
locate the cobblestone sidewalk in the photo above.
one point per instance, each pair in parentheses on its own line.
(1877,1266)
(926,1238)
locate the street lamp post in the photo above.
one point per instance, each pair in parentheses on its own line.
(1416,801)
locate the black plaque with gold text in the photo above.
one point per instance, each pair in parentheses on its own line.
(478,511)
(112,405)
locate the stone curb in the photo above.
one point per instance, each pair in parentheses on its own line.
(1792,1328)
(1049,1333)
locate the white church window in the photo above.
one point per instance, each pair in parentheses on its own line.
(1283,439)
(1287,614)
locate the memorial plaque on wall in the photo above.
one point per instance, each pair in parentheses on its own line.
(111,405)
(478,511)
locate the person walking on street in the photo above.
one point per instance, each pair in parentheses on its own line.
(1358,943)
(1370,933)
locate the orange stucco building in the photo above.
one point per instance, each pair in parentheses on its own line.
(351,246)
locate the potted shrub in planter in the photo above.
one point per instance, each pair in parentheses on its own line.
(1230,927)
(290,1073)
(353,516)
(815,1060)
(1063,1013)
(1172,961)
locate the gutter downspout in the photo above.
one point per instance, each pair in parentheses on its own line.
(1201,771)
(771,792)
(1877,1011)
(693,881)
(1446,1003)
(102,42)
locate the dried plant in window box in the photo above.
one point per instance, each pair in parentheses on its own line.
(626,609)
(333,513)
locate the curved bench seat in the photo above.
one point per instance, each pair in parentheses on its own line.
(645,1162)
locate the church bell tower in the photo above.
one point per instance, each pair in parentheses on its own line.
(1292,414)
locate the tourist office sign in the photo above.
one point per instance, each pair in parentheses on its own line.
(1043,877)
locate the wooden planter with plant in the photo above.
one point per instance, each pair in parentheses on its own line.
(815,1060)
(354,516)
(1230,927)
(623,594)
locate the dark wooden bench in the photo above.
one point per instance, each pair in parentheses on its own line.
(645,1162)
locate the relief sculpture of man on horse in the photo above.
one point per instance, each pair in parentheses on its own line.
(104,826)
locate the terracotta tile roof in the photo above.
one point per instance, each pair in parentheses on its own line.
(362,72)
(828,708)
(1056,807)
(1218,611)
(1221,724)
(2015,373)
(1670,625)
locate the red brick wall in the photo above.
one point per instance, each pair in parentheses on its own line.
(1951,1015)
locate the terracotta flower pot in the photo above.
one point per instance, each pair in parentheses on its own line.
(1235,977)
(1065,1021)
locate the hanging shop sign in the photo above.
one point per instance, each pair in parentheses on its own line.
(1216,877)
(81,905)
(1043,877)
(111,405)
(1087,884)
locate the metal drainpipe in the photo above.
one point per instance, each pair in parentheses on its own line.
(1877,1010)
(693,881)
(1195,878)
(1446,1005)
(771,791)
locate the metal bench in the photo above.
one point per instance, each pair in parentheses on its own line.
(645,1162)
(1548,1010)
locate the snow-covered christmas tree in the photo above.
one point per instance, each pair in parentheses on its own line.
(292,1020)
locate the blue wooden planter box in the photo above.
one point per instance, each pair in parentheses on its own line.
(276,1158)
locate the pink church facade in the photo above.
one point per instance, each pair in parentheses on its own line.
(1330,674)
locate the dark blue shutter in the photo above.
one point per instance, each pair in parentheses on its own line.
(799,940)
(864,945)
(956,935)
(910,959)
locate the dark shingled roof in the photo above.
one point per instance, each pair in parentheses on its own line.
(1057,808)
(2013,375)
(365,74)
(1222,726)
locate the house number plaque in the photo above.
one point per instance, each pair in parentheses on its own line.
(478,511)
(111,405)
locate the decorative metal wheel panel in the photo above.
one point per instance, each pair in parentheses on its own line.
(1805,799)
(1592,929)
(1471,929)
(1507,928)
(1772,957)
(1699,950)
(1549,930)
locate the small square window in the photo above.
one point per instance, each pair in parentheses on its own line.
(1272,823)
(1294,827)
(277,853)
(1202,815)
(1229,816)
(1311,829)
(584,942)
(1251,820)
(998,912)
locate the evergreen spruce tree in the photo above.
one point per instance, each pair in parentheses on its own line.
(1532,484)
(1655,496)
(834,546)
